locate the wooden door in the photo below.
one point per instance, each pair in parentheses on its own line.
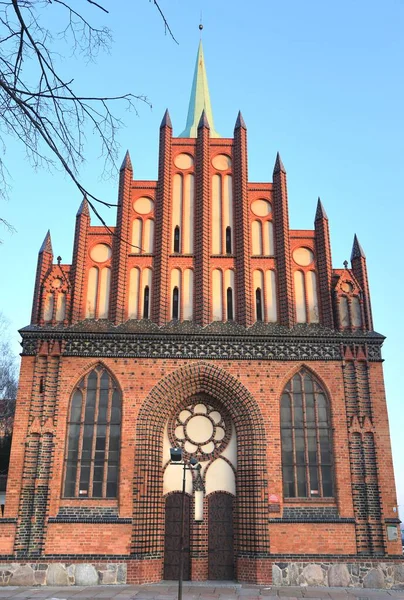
(173,535)
(221,553)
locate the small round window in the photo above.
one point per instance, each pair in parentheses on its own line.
(221,162)
(183,161)
(261,208)
(100,253)
(303,257)
(143,206)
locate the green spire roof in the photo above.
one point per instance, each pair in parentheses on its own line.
(199,100)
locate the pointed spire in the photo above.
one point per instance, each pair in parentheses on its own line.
(357,250)
(279,168)
(320,212)
(46,244)
(203,121)
(199,100)
(240,122)
(166,122)
(126,163)
(84,208)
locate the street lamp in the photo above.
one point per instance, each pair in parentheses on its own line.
(191,465)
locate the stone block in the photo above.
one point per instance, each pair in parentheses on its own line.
(108,577)
(312,575)
(338,575)
(40,577)
(398,573)
(374,579)
(23,575)
(122,573)
(57,575)
(86,575)
(276,576)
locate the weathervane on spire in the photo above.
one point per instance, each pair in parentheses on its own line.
(201,25)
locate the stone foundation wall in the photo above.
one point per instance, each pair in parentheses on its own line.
(378,575)
(57,574)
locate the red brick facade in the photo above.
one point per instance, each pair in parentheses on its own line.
(162,358)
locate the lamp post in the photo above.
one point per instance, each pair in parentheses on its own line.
(192,464)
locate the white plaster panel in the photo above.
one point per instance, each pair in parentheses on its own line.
(220,477)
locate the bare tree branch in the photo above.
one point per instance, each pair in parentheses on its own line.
(43,109)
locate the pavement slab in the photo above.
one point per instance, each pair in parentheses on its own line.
(196,591)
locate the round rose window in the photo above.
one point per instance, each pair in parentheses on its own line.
(200,428)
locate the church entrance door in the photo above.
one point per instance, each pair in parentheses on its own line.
(173,535)
(221,554)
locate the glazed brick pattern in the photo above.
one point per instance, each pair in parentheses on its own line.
(307,513)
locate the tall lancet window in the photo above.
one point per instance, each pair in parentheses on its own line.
(222,205)
(146,302)
(182,216)
(176,308)
(307,461)
(93,446)
(258,303)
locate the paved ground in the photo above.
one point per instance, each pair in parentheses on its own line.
(194,591)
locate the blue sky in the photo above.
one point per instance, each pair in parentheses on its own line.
(321,82)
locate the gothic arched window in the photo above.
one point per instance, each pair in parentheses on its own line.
(177,239)
(94,430)
(306,439)
(258,304)
(175,303)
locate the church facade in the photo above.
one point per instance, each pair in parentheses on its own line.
(200,321)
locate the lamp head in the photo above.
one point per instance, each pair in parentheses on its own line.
(193,461)
(176,454)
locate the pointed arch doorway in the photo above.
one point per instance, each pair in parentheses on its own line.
(250,511)
(203,429)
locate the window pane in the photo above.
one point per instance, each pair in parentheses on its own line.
(90,406)
(75,413)
(327,481)
(301,482)
(114,437)
(87,442)
(116,407)
(287,447)
(288,482)
(70,482)
(286,415)
(310,415)
(97,489)
(314,491)
(312,446)
(299,441)
(84,479)
(325,446)
(298,407)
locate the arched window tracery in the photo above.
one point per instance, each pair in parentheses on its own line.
(93,447)
(307,463)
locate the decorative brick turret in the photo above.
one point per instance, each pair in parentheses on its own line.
(282,244)
(358,262)
(324,264)
(45,260)
(242,227)
(160,302)
(202,215)
(121,244)
(79,259)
